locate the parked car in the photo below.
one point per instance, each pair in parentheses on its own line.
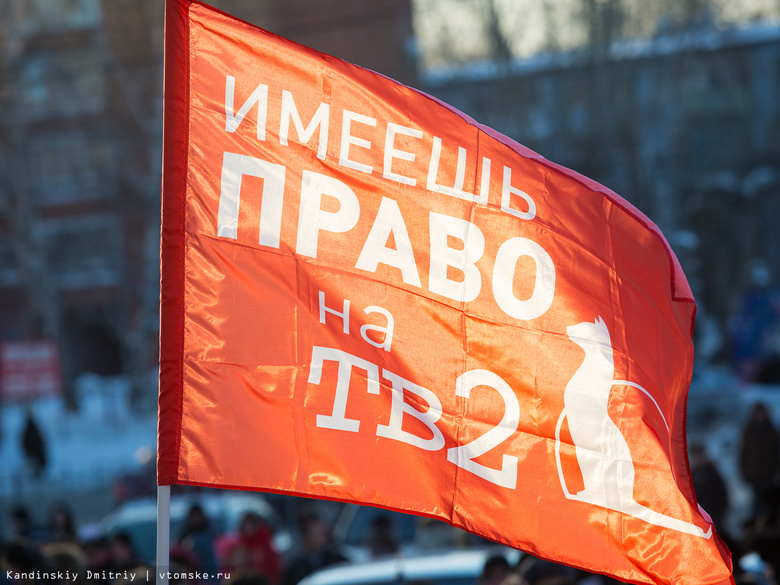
(138,518)
(454,567)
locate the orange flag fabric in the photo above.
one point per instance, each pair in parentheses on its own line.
(368,296)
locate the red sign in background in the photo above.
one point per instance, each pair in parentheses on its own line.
(29,369)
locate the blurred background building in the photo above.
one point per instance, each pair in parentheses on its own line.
(673,104)
(81,137)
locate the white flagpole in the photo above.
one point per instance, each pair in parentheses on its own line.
(163,533)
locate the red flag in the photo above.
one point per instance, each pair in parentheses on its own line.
(367,296)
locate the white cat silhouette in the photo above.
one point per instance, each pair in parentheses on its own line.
(601,449)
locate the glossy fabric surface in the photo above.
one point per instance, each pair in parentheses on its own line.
(249,370)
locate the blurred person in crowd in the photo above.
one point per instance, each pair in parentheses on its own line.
(761,534)
(122,552)
(33,446)
(67,558)
(61,527)
(137,576)
(255,579)
(495,571)
(317,550)
(197,537)
(250,550)
(21,525)
(711,492)
(97,553)
(755,326)
(380,540)
(759,456)
(23,528)
(23,557)
(535,571)
(182,564)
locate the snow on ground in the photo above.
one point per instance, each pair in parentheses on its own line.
(86,448)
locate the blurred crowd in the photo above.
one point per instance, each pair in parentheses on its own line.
(57,553)
(757,536)
(54,551)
